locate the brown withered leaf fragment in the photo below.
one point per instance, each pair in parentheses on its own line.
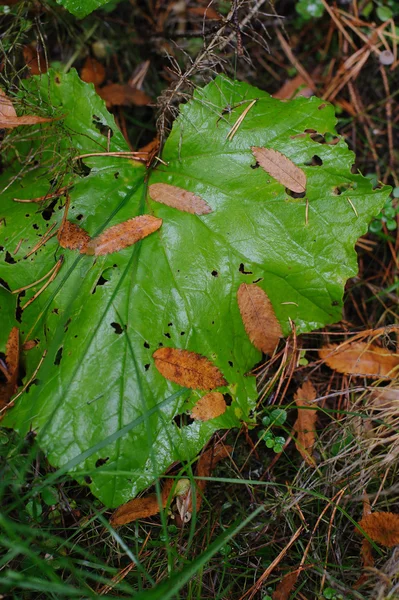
(305,425)
(208,407)
(281,168)
(258,316)
(116,94)
(188,369)
(123,235)
(92,71)
(384,398)
(142,508)
(293,88)
(361,358)
(284,588)
(73,237)
(205,465)
(7,110)
(9,387)
(29,345)
(34,60)
(382,527)
(179,198)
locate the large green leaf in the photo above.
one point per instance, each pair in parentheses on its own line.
(102,318)
(82,8)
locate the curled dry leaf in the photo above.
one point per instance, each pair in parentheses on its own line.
(123,235)
(73,237)
(208,407)
(179,198)
(92,71)
(34,60)
(141,508)
(188,369)
(258,316)
(305,425)
(284,588)
(10,370)
(361,358)
(116,94)
(382,527)
(281,168)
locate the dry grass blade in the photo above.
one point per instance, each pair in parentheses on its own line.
(179,198)
(188,369)
(123,235)
(281,168)
(258,316)
(305,425)
(73,237)
(208,407)
(384,398)
(360,358)
(382,527)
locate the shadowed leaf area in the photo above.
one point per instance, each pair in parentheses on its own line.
(106,320)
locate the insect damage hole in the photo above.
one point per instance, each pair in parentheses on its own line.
(315,161)
(242,270)
(101,461)
(295,194)
(58,356)
(117,327)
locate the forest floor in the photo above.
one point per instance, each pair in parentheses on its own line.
(304,544)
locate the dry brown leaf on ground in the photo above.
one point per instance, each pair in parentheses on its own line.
(205,465)
(281,168)
(73,237)
(258,316)
(34,60)
(188,369)
(384,398)
(382,527)
(9,118)
(116,94)
(10,370)
(179,198)
(208,407)
(141,508)
(123,235)
(151,149)
(305,425)
(360,358)
(284,588)
(290,89)
(92,71)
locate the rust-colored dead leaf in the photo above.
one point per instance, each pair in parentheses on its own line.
(116,94)
(34,60)
(382,527)
(141,508)
(29,345)
(179,198)
(123,235)
(10,370)
(151,149)
(208,407)
(205,465)
(92,71)
(290,89)
(258,316)
(188,369)
(284,588)
(305,425)
(361,358)
(73,237)
(9,118)
(281,168)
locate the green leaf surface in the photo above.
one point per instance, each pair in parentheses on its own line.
(102,318)
(82,8)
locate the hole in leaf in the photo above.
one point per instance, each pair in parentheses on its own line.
(215,274)
(167,334)
(58,356)
(9,259)
(35,226)
(295,194)
(242,270)
(228,399)
(79,217)
(80,168)
(100,281)
(103,128)
(101,461)
(55,311)
(255,166)
(257,280)
(170,324)
(146,345)
(315,161)
(182,420)
(67,325)
(88,479)
(182,333)
(116,175)
(48,212)
(231,363)
(4,284)
(147,366)
(117,327)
